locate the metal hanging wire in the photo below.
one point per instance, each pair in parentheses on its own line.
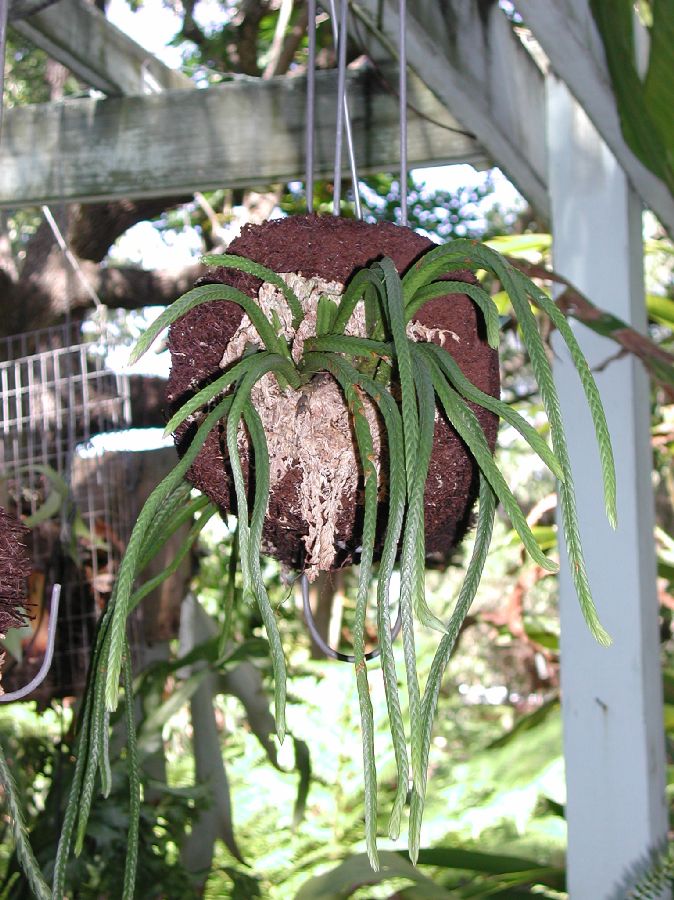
(4,15)
(71,259)
(340,37)
(402,95)
(343,132)
(310,135)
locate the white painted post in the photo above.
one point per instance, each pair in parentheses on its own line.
(611,698)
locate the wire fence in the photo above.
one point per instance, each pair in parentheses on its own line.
(57,394)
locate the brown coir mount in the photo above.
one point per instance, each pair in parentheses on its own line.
(333,249)
(15,567)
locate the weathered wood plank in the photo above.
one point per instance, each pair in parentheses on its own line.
(469,56)
(77,35)
(238,134)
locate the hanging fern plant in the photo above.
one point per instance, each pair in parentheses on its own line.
(316,341)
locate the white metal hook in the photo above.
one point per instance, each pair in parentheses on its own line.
(49,652)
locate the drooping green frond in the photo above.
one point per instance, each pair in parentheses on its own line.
(259,444)
(181,512)
(129,565)
(24,851)
(477,294)
(152,583)
(416,496)
(208,293)
(595,405)
(241,264)
(263,361)
(459,381)
(396,510)
(485,525)
(366,452)
(253,587)
(541,367)
(133,768)
(473,255)
(463,420)
(410,417)
(91,771)
(83,749)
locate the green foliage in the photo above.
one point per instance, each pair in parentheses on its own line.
(645,104)
(97,872)
(490,874)
(445,214)
(420,376)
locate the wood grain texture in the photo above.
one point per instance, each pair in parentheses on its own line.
(238,134)
(77,35)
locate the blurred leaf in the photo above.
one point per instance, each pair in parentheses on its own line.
(660,309)
(669,717)
(502,301)
(244,886)
(355,871)
(653,245)
(645,107)
(176,700)
(303,767)
(493,863)
(48,510)
(518,244)
(544,638)
(12,643)
(545,536)
(527,723)
(668,685)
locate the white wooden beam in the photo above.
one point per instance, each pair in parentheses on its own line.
(611,697)
(237,134)
(469,56)
(566,31)
(77,35)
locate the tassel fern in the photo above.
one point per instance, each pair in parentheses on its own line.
(426,377)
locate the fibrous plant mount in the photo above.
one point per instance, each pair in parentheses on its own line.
(336,385)
(315,506)
(15,567)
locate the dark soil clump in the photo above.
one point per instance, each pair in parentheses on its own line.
(15,567)
(334,249)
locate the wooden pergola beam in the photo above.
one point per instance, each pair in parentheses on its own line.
(77,35)
(237,134)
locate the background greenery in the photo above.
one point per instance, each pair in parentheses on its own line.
(494,823)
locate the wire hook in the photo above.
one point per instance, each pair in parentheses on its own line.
(326,648)
(48,656)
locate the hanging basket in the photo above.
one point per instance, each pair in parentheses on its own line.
(314,517)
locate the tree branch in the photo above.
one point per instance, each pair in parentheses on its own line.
(94,227)
(658,362)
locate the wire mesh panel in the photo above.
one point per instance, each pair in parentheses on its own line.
(58,393)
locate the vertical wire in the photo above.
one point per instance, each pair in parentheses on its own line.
(310,136)
(341,95)
(402,92)
(4,14)
(344,107)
